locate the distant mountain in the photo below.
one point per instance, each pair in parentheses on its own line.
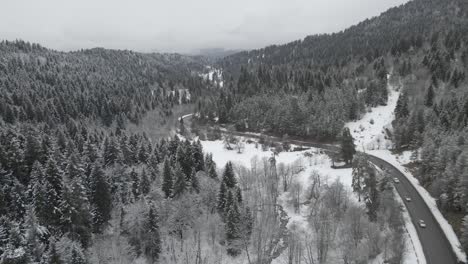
(217,53)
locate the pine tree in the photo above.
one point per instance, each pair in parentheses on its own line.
(429,97)
(32,151)
(74,167)
(401,109)
(112,152)
(167,179)
(100,198)
(372,199)
(198,159)
(52,256)
(239,195)
(348,149)
(212,172)
(143,154)
(359,175)
(135,184)
(77,257)
(232,230)
(4,233)
(222,195)
(145,184)
(195,185)
(152,243)
(228,176)
(180,184)
(53,175)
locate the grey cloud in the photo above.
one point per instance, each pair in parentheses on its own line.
(178,25)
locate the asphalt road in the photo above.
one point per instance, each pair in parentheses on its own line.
(436,246)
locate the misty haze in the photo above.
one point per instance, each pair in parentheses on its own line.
(234,132)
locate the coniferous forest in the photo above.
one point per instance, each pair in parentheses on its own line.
(81,180)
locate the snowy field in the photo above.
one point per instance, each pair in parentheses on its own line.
(369,132)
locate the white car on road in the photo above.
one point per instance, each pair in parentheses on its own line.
(421,223)
(396,180)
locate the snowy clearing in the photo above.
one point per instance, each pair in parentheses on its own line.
(370,131)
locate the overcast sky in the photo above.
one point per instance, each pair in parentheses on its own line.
(178,25)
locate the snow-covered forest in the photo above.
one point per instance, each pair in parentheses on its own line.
(117,156)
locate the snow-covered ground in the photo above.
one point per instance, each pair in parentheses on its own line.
(309,163)
(319,162)
(370,131)
(210,75)
(371,138)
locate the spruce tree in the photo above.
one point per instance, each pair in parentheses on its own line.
(135,184)
(348,149)
(167,179)
(145,184)
(222,195)
(100,198)
(152,242)
(429,97)
(180,184)
(401,109)
(198,159)
(212,172)
(53,175)
(112,152)
(228,176)
(52,256)
(195,185)
(232,229)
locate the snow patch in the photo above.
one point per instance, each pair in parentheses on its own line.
(370,132)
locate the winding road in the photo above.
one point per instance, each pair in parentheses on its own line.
(436,246)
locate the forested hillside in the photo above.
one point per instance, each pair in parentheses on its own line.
(322,81)
(41,85)
(75,185)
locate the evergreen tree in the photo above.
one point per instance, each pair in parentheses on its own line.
(180,184)
(167,179)
(152,243)
(145,184)
(222,195)
(198,159)
(239,195)
(143,154)
(77,257)
(429,97)
(232,230)
(53,175)
(195,185)
(112,152)
(135,184)
(401,109)
(372,199)
(212,172)
(52,256)
(348,149)
(100,198)
(228,176)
